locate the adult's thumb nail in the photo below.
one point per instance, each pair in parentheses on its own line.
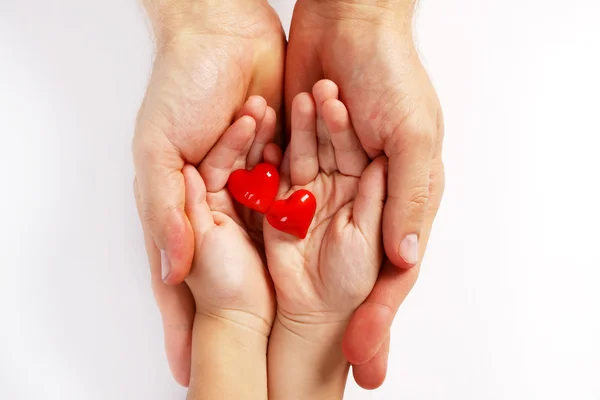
(409,249)
(165,265)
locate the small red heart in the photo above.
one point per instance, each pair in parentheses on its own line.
(256,189)
(294,214)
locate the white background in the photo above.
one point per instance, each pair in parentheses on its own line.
(508,305)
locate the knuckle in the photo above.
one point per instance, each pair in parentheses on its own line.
(145,148)
(153,212)
(415,127)
(414,134)
(418,200)
(155,132)
(436,186)
(147,213)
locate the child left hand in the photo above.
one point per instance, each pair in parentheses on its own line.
(228,278)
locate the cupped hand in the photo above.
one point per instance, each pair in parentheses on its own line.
(367,49)
(210,58)
(322,278)
(228,278)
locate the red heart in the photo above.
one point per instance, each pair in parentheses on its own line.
(255,189)
(294,214)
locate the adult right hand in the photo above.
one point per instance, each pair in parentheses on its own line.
(211,56)
(366,47)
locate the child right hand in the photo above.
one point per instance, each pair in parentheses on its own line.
(320,280)
(323,278)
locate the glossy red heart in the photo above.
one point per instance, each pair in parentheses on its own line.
(294,214)
(256,189)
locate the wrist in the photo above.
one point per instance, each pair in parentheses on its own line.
(396,11)
(306,362)
(174,19)
(228,360)
(242,330)
(318,331)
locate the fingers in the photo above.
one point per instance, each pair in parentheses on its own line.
(272,154)
(227,154)
(177,307)
(372,374)
(304,163)
(160,200)
(350,156)
(370,324)
(265,133)
(196,206)
(322,91)
(284,172)
(367,212)
(255,107)
(408,196)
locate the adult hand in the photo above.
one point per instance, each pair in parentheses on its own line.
(211,56)
(366,48)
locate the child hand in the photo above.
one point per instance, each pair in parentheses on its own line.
(325,277)
(320,280)
(230,284)
(228,278)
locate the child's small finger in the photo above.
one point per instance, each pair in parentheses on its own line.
(242,160)
(265,133)
(284,173)
(349,154)
(196,206)
(221,160)
(272,154)
(367,213)
(323,91)
(304,161)
(255,107)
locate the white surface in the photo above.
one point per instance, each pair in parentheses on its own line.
(508,303)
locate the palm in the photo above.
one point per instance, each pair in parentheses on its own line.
(230,274)
(308,267)
(201,81)
(201,76)
(253,223)
(369,52)
(393,107)
(383,86)
(228,277)
(330,272)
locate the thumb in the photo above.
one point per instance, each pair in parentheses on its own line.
(410,154)
(368,205)
(161,190)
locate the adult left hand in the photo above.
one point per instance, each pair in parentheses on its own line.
(211,56)
(366,48)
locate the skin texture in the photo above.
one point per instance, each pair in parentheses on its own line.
(322,279)
(235,303)
(210,58)
(328,274)
(228,278)
(366,48)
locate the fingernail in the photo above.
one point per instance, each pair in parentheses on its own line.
(165,264)
(409,249)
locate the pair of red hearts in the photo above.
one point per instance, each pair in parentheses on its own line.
(257,189)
